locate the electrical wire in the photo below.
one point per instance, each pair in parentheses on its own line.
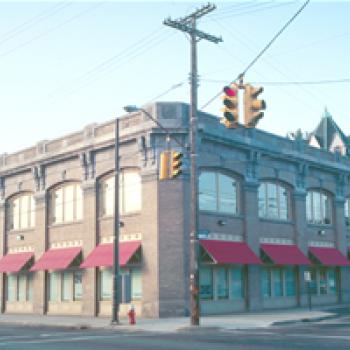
(22,28)
(310,82)
(241,75)
(248,12)
(52,29)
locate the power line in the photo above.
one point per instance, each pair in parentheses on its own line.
(247,12)
(310,82)
(43,34)
(33,21)
(241,75)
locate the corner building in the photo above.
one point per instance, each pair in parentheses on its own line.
(270,209)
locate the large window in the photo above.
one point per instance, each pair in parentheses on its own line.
(21,214)
(20,287)
(318,208)
(65,286)
(273,201)
(278,282)
(324,281)
(217,192)
(219,282)
(129,193)
(131,282)
(67,203)
(347,212)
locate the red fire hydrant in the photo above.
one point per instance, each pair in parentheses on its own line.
(132,315)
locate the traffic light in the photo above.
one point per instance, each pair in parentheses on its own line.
(252,106)
(230,101)
(176,164)
(164,165)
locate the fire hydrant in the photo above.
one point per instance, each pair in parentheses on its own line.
(132,315)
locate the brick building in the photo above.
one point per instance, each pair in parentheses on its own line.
(270,208)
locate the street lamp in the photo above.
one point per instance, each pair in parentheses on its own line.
(194,246)
(116,229)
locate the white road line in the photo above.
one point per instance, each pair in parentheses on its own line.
(72,339)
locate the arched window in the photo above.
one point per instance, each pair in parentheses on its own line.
(347,212)
(129,193)
(318,208)
(217,193)
(21,212)
(67,203)
(273,201)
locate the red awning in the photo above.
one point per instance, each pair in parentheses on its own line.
(228,252)
(14,262)
(102,255)
(329,256)
(56,259)
(282,254)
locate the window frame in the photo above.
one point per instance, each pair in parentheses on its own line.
(213,271)
(263,213)
(123,198)
(270,271)
(217,193)
(78,208)
(30,212)
(322,197)
(347,212)
(28,288)
(59,286)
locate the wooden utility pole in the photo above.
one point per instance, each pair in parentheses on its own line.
(188,25)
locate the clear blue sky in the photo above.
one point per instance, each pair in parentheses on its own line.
(64,65)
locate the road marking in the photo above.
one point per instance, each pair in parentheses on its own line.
(72,339)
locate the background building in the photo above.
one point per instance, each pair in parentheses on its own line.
(270,208)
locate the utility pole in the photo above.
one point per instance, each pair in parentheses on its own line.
(188,25)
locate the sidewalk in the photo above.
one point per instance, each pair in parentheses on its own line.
(235,321)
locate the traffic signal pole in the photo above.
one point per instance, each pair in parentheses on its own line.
(188,25)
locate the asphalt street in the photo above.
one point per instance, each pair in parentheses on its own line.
(319,335)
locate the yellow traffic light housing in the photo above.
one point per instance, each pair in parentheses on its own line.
(164,165)
(230,110)
(252,106)
(176,164)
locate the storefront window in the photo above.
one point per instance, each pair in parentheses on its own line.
(323,281)
(221,283)
(78,285)
(106,284)
(53,286)
(22,287)
(11,287)
(136,284)
(206,282)
(236,279)
(66,286)
(277,282)
(266,282)
(332,283)
(290,281)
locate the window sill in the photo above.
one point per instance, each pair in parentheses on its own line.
(109,217)
(276,221)
(320,225)
(24,230)
(217,213)
(59,224)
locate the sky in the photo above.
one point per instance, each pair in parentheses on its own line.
(65,65)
